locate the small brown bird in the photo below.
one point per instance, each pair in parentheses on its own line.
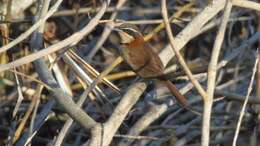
(140,56)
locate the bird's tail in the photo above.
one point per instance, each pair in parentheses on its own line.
(173,89)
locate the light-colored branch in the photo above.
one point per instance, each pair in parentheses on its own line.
(181,39)
(106,32)
(247,4)
(196,25)
(17,9)
(88,80)
(175,15)
(242,112)
(32,29)
(153,113)
(70,41)
(212,71)
(84,95)
(177,53)
(192,28)
(43,7)
(102,134)
(141,10)
(62,98)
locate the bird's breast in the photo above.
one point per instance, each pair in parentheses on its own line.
(135,56)
(142,59)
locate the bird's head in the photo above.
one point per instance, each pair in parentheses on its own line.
(128,32)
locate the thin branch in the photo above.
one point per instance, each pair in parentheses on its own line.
(70,41)
(192,28)
(102,134)
(177,53)
(20,95)
(107,31)
(32,29)
(87,10)
(242,112)
(154,112)
(247,4)
(62,98)
(212,71)
(84,95)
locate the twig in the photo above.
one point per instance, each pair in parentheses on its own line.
(146,21)
(247,4)
(18,6)
(62,98)
(153,113)
(70,41)
(35,99)
(175,15)
(102,134)
(165,55)
(134,137)
(192,28)
(41,118)
(109,9)
(242,112)
(91,70)
(212,71)
(106,32)
(80,72)
(177,53)
(83,97)
(20,95)
(32,29)
(31,78)
(236,97)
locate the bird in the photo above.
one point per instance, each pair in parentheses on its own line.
(143,60)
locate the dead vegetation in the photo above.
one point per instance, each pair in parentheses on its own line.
(63,82)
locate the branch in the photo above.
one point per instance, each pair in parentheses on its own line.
(242,112)
(32,29)
(70,41)
(247,4)
(177,53)
(212,72)
(102,134)
(194,27)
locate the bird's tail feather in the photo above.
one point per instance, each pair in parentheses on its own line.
(173,89)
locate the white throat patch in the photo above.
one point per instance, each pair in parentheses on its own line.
(125,38)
